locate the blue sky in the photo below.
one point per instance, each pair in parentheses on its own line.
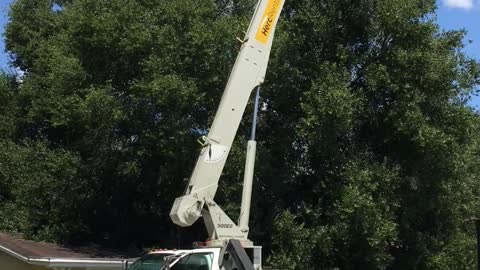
(452,14)
(3,20)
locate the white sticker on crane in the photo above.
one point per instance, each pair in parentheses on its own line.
(215,153)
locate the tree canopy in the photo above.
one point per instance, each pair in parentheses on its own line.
(368,153)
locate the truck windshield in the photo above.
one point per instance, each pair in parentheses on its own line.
(195,261)
(149,262)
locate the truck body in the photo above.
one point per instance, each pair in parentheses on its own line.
(201,259)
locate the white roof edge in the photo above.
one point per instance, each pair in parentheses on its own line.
(67,262)
(87,262)
(40,261)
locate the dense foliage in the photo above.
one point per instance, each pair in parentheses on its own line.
(368,155)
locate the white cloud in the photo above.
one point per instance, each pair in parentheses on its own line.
(20,75)
(463,4)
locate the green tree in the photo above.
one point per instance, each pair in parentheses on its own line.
(379,141)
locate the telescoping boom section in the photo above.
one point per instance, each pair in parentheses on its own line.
(247,73)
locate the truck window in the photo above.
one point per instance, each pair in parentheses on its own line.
(149,262)
(195,261)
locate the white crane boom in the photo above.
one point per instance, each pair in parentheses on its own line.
(247,73)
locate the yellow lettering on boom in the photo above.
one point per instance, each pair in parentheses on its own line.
(269,19)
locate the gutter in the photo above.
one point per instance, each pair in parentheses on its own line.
(70,262)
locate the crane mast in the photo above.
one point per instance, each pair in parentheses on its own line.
(247,74)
